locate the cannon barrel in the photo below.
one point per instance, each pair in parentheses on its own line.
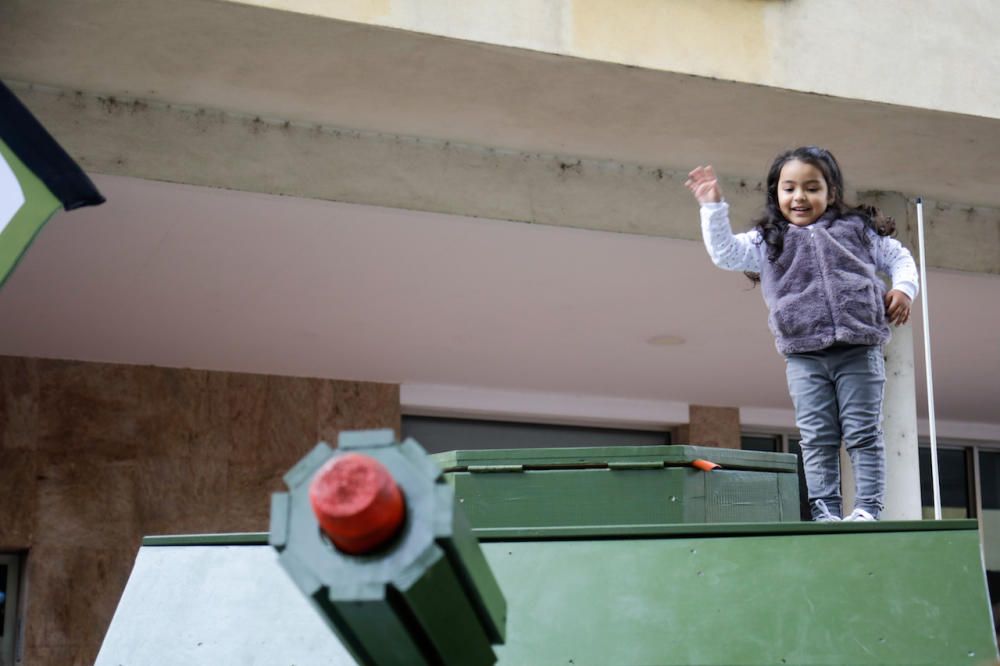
(373,536)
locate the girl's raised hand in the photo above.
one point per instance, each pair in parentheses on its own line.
(704,185)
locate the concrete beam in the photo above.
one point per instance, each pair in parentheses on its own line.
(172,143)
(155,141)
(305,68)
(958,236)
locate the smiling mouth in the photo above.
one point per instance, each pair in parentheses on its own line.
(801,210)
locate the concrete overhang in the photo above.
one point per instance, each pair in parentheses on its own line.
(286,66)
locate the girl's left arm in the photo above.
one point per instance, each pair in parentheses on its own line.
(896,261)
(893,259)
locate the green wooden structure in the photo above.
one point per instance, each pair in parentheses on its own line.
(629,555)
(627,485)
(888,593)
(613,557)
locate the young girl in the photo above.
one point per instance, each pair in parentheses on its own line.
(816,259)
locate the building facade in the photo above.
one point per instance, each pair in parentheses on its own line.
(327,216)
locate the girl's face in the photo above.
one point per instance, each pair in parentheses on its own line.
(803,194)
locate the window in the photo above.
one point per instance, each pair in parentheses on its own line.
(989,484)
(9,577)
(954,476)
(770,443)
(448,434)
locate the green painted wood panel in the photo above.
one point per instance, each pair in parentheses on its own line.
(729,530)
(577,497)
(372,632)
(441,606)
(470,564)
(827,596)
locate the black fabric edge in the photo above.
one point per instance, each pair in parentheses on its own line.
(34,146)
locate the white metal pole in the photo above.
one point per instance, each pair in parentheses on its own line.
(927,359)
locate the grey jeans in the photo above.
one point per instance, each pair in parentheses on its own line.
(837,393)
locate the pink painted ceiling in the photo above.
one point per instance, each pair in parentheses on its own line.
(191,277)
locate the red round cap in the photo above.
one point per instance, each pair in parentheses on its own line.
(357,502)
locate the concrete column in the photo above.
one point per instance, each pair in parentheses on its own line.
(902,501)
(902,494)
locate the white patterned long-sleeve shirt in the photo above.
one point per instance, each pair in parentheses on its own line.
(742,252)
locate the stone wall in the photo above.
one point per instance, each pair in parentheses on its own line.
(95,456)
(710,426)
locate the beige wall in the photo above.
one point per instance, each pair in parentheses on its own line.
(929,54)
(95,456)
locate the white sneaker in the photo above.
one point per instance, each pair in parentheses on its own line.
(860,515)
(824,514)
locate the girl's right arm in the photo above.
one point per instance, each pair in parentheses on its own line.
(733,252)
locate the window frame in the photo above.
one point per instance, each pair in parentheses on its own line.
(955,445)
(784,435)
(972,448)
(9,643)
(536,426)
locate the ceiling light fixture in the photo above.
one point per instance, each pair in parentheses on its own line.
(666,340)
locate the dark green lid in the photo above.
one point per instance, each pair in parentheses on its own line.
(615,456)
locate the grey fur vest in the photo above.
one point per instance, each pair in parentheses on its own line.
(823,289)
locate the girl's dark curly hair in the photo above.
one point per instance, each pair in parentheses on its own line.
(771,225)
